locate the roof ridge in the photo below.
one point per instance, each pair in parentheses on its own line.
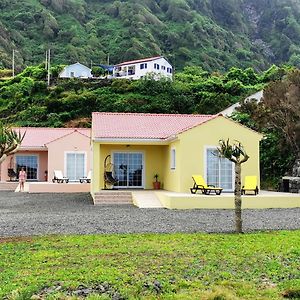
(55,128)
(140,60)
(153,114)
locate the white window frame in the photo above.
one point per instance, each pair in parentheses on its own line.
(143,171)
(205,167)
(38,163)
(173,158)
(75,152)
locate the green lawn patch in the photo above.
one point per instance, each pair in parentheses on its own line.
(152,266)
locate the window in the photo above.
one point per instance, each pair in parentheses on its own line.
(75,165)
(163,67)
(169,70)
(219,170)
(72,74)
(173,159)
(30,163)
(143,66)
(156,66)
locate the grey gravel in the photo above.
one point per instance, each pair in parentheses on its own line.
(23,214)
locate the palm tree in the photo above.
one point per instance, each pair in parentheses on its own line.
(235,152)
(10,141)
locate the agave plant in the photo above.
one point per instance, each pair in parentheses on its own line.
(10,141)
(236,153)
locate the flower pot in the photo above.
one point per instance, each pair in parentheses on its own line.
(156,185)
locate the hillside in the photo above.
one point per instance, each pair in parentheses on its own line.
(214,34)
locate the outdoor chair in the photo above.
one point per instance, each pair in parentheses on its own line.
(87,178)
(200,184)
(59,178)
(12,174)
(250,185)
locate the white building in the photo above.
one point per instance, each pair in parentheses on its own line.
(76,71)
(137,69)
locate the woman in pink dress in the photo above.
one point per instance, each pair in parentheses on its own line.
(22,179)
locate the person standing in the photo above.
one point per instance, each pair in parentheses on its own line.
(22,179)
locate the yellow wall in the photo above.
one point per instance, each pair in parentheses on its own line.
(153,162)
(171,177)
(95,182)
(226,201)
(194,141)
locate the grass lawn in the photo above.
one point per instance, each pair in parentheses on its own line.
(152,266)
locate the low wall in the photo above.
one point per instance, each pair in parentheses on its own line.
(47,187)
(8,186)
(226,201)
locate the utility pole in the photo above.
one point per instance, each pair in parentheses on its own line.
(48,67)
(46,62)
(13,63)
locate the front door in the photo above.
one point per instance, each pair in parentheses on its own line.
(128,168)
(219,170)
(75,166)
(29,163)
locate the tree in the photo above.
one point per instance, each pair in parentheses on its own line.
(235,152)
(10,141)
(281,105)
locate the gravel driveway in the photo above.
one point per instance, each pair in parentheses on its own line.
(38,214)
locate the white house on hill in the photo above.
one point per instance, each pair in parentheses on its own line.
(76,71)
(137,69)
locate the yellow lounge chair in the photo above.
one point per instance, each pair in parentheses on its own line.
(250,185)
(200,184)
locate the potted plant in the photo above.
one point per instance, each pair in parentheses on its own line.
(156,183)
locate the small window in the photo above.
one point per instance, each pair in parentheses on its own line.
(173,159)
(163,67)
(145,66)
(72,74)
(142,66)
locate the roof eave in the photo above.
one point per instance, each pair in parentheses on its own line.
(164,141)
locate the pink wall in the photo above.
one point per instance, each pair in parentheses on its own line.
(74,142)
(11,163)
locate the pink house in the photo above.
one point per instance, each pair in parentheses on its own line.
(44,150)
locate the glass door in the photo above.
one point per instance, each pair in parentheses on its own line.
(128,168)
(29,163)
(75,166)
(219,170)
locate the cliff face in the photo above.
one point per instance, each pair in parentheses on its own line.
(214,34)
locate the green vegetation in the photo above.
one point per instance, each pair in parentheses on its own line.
(278,117)
(152,266)
(27,101)
(214,34)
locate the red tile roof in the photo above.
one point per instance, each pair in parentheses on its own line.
(38,137)
(138,61)
(143,126)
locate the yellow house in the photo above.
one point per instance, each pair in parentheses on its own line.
(175,147)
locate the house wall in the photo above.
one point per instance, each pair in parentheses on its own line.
(10,163)
(172,176)
(193,145)
(153,162)
(79,71)
(74,142)
(150,69)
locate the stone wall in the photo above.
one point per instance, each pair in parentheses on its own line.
(290,184)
